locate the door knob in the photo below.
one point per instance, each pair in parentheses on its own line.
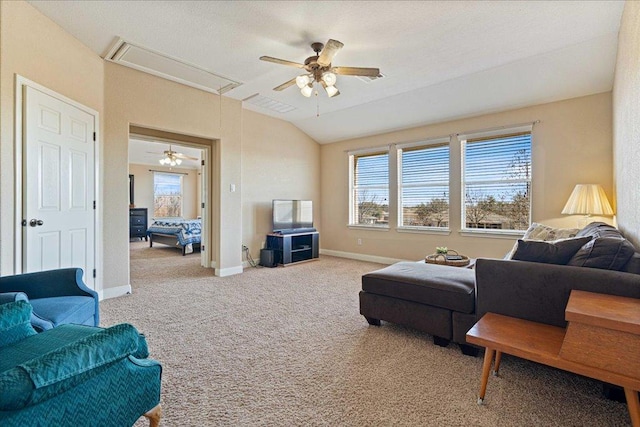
(35,222)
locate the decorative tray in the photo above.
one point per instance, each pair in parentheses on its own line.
(450,258)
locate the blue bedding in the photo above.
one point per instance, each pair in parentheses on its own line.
(188,231)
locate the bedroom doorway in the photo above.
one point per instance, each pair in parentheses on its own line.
(169,194)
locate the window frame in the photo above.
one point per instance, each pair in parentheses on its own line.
(419,145)
(353,155)
(487,135)
(181,179)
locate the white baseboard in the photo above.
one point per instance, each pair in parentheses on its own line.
(349,255)
(230,271)
(114,292)
(360,257)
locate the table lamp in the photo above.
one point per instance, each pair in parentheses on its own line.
(587,200)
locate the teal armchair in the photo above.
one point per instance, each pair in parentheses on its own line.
(74,375)
(57,296)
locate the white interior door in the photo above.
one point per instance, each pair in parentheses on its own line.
(58,185)
(204,201)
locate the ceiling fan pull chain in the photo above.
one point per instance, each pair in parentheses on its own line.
(317,105)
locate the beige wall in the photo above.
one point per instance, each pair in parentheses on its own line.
(34,47)
(133,97)
(571,145)
(626,124)
(143,188)
(278,162)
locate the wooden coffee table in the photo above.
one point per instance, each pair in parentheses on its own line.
(602,341)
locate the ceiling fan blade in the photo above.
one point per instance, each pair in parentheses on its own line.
(282,61)
(330,49)
(356,71)
(183,156)
(285,85)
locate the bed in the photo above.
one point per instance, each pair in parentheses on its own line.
(178,232)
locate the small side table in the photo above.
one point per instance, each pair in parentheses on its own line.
(602,341)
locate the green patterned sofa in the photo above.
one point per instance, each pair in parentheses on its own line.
(74,375)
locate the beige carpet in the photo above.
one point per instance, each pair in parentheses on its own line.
(287,347)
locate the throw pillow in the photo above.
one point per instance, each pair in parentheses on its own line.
(608,253)
(554,252)
(543,233)
(600,229)
(85,354)
(546,233)
(15,324)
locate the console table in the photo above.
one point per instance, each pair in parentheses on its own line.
(293,248)
(602,341)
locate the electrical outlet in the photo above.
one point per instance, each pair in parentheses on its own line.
(359,242)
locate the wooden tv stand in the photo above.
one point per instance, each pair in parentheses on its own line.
(293,248)
(602,341)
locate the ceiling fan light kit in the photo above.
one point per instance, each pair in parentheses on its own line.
(307,90)
(170,161)
(173,158)
(302,81)
(329,78)
(319,70)
(331,91)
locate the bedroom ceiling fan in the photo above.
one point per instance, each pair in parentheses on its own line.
(318,69)
(172,158)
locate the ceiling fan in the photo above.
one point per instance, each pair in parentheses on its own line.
(172,158)
(318,69)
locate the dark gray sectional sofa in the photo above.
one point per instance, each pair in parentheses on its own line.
(446,301)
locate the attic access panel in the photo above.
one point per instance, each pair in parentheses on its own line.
(158,64)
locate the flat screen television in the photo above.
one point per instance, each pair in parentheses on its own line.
(292,215)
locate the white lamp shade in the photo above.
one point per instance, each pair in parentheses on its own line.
(331,90)
(329,78)
(307,90)
(588,199)
(302,81)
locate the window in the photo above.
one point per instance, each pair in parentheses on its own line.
(167,194)
(496,181)
(369,192)
(424,185)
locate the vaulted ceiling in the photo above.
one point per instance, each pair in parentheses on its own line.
(442,60)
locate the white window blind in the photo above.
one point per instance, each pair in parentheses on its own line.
(167,195)
(370,189)
(424,186)
(497,181)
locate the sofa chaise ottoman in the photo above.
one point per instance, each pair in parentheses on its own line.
(446,301)
(422,296)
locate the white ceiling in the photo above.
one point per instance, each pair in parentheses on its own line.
(442,60)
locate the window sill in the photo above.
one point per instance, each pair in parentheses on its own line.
(424,230)
(492,234)
(368,227)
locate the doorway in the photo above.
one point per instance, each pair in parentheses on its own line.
(171,188)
